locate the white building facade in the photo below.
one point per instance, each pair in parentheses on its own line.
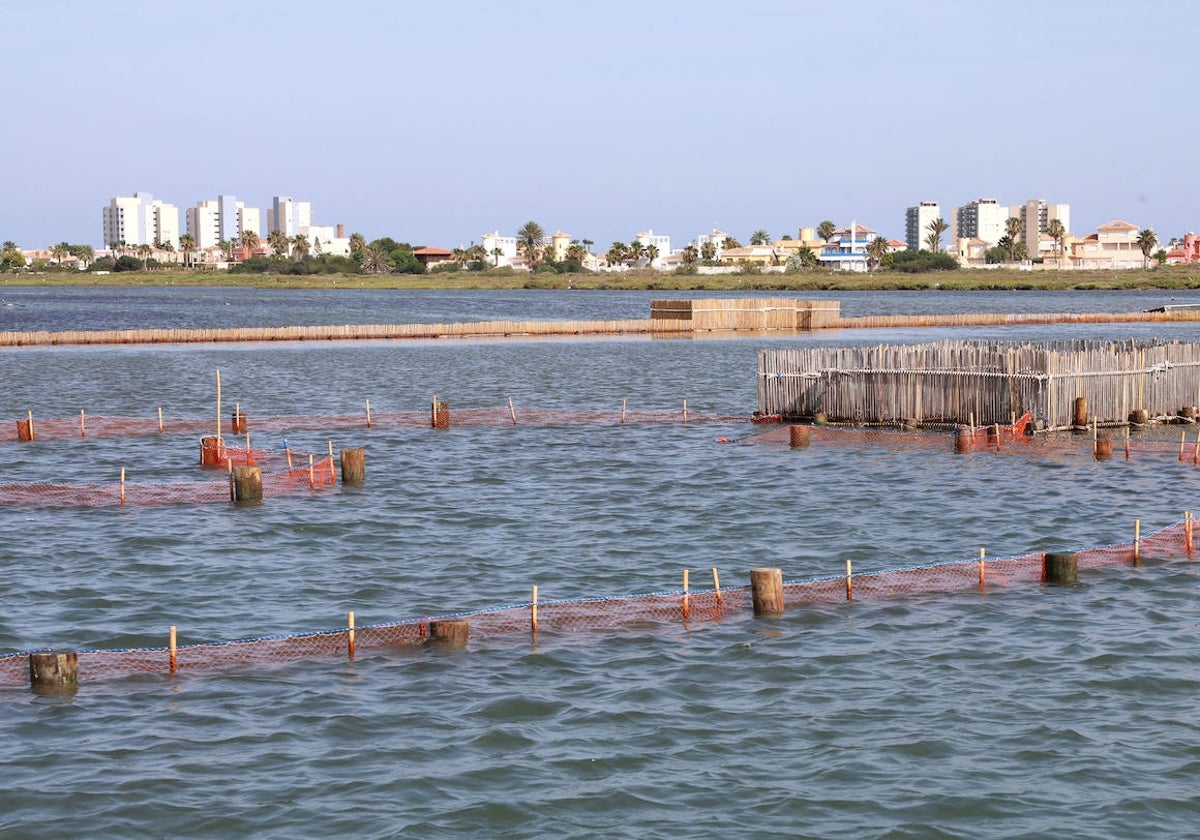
(140,220)
(982,218)
(204,224)
(661,243)
(916,224)
(501,250)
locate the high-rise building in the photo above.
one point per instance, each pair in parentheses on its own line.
(289,216)
(916,224)
(982,218)
(249,219)
(204,224)
(1035,216)
(140,220)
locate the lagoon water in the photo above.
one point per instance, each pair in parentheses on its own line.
(1024,711)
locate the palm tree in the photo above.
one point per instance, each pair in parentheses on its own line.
(60,252)
(1058,233)
(651,252)
(689,255)
(300,246)
(357,243)
(826,230)
(476,253)
(634,251)
(497,253)
(459,255)
(1146,240)
(531,239)
(375,260)
(144,251)
(187,244)
(616,253)
(250,241)
(587,245)
(708,251)
(877,249)
(278,241)
(730,242)
(760,237)
(934,239)
(1013,227)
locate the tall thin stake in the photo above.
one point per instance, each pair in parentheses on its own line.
(533,612)
(368,414)
(717,585)
(687,607)
(1137,540)
(849,581)
(218,405)
(160,422)
(122,485)
(512,411)
(982,567)
(82,424)
(350,635)
(173,650)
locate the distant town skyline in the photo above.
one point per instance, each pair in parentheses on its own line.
(602,123)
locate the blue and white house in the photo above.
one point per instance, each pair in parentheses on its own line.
(847,248)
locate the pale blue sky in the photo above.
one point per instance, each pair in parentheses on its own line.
(436,122)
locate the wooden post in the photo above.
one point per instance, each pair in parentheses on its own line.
(849,581)
(1060,567)
(1182,443)
(350,635)
(971,421)
(717,586)
(368,414)
(1081,412)
(25,428)
(1102,448)
(962,439)
(798,436)
(312,476)
(353,467)
(685,411)
(1137,540)
(1126,443)
(54,671)
(687,607)
(766,591)
(512,411)
(449,632)
(1188,523)
(533,611)
(982,568)
(332,471)
(247,486)
(622,412)
(218,404)
(160,422)
(122,486)
(82,424)
(238,423)
(172,651)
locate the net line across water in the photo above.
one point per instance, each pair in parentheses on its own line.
(650,611)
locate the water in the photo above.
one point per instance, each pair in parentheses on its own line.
(1022,712)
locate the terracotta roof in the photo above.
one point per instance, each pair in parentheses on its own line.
(1117,225)
(432,252)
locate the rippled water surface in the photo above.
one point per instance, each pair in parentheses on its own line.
(1022,711)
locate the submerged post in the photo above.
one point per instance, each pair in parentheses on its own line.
(766,591)
(1060,567)
(798,436)
(54,671)
(449,632)
(962,439)
(247,486)
(354,468)
(1080,418)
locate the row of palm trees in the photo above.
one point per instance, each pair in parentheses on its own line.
(297,247)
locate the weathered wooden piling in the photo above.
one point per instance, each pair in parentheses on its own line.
(440,414)
(247,486)
(1102,448)
(1060,567)
(798,436)
(766,591)
(962,439)
(1080,417)
(1139,417)
(54,671)
(449,632)
(212,452)
(354,469)
(238,421)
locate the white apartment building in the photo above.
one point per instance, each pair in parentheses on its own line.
(289,216)
(717,238)
(982,218)
(140,220)
(204,224)
(1036,216)
(325,239)
(506,245)
(916,224)
(663,243)
(249,219)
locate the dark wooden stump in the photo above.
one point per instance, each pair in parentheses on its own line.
(766,590)
(238,423)
(1080,418)
(354,470)
(962,439)
(247,486)
(54,671)
(212,452)
(1139,416)
(1103,448)
(449,632)
(1060,567)
(798,436)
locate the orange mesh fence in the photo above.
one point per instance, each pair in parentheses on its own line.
(676,608)
(37,428)
(308,473)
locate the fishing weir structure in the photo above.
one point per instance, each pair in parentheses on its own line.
(1066,384)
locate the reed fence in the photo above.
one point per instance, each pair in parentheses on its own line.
(980,383)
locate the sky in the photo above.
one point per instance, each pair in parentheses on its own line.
(436,122)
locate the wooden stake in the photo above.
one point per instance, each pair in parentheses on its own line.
(33,436)
(82,424)
(717,585)
(1126,443)
(1137,540)
(160,422)
(622,412)
(512,411)
(218,405)
(533,612)
(173,651)
(982,568)
(1182,443)
(350,635)
(685,411)
(971,421)
(368,414)
(849,581)
(122,485)
(312,476)
(1188,523)
(332,471)
(687,607)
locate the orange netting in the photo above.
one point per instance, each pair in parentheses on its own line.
(677,608)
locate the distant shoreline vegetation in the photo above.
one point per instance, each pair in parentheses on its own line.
(339,273)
